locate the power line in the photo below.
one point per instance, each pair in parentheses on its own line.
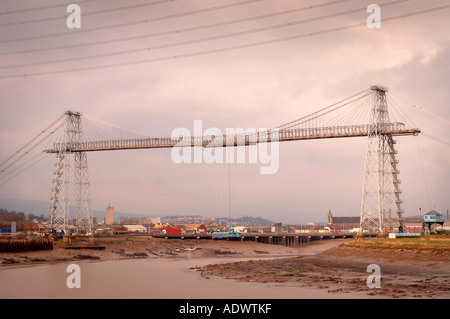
(424,110)
(436,139)
(20,166)
(31,141)
(127,24)
(26,168)
(217,37)
(41,8)
(178,31)
(29,150)
(140,5)
(225,49)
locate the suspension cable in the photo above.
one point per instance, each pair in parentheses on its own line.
(424,110)
(32,140)
(318,113)
(30,149)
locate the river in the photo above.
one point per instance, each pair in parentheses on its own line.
(164,278)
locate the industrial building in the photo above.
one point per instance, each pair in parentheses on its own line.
(134,228)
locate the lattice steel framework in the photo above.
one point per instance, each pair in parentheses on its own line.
(381,203)
(59,215)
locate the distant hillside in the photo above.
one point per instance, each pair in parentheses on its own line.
(240,221)
(34,207)
(252,221)
(37,207)
(40,208)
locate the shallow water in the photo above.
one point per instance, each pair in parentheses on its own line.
(164,278)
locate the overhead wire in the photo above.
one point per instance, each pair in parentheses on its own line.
(187,42)
(25,169)
(30,149)
(396,107)
(177,31)
(140,5)
(223,49)
(132,23)
(40,154)
(421,108)
(424,179)
(20,166)
(90,132)
(424,110)
(436,139)
(53,6)
(31,141)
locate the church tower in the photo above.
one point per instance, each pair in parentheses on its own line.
(330,217)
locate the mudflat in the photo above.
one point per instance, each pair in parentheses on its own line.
(338,267)
(105,249)
(404,273)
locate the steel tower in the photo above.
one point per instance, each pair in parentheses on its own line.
(59,215)
(381,204)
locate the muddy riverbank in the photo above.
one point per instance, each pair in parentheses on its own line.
(343,270)
(148,248)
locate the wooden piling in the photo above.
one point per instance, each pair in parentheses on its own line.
(19,245)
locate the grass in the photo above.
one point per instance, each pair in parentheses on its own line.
(433,242)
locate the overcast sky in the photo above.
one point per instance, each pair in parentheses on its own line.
(259,86)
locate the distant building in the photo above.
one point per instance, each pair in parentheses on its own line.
(148,220)
(212,226)
(345,222)
(192,227)
(433,218)
(109,220)
(172,231)
(134,228)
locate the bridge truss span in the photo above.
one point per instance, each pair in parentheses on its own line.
(364,114)
(394,129)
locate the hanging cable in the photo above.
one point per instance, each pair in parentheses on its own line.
(319,113)
(25,169)
(177,31)
(127,24)
(187,42)
(31,148)
(118,127)
(424,110)
(427,191)
(32,140)
(436,139)
(225,49)
(8,24)
(4,176)
(59,5)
